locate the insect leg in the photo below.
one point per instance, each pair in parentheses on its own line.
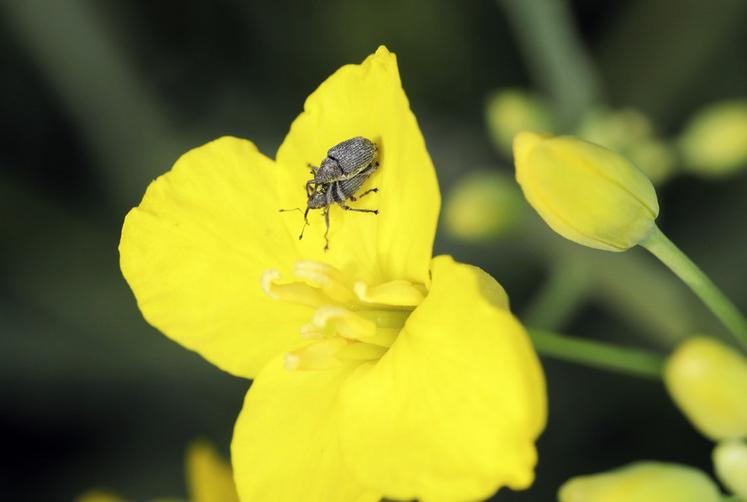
(305,222)
(348,208)
(309,189)
(326,222)
(371,190)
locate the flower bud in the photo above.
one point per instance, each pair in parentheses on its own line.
(483,204)
(642,482)
(730,464)
(714,142)
(708,381)
(510,111)
(631,134)
(586,193)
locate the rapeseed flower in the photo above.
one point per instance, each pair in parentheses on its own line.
(378,370)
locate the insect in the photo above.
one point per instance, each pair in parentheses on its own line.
(339,176)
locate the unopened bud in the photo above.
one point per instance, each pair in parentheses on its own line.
(642,482)
(586,193)
(708,381)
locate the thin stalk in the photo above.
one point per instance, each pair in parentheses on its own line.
(668,253)
(556,56)
(564,292)
(635,362)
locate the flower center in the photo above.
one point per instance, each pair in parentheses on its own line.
(352,320)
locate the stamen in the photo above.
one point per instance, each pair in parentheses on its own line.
(327,277)
(386,318)
(294,292)
(384,337)
(399,293)
(344,322)
(321,355)
(361,352)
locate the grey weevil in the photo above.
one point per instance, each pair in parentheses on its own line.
(340,175)
(343,161)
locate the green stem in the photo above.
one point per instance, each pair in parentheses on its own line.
(669,254)
(601,355)
(555,54)
(565,290)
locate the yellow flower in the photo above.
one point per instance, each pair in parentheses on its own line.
(586,193)
(642,482)
(714,142)
(378,370)
(209,478)
(730,462)
(708,381)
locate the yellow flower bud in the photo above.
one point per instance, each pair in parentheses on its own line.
(708,381)
(714,143)
(586,193)
(642,482)
(510,111)
(730,463)
(631,134)
(483,204)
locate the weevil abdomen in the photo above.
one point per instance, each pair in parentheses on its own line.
(353,155)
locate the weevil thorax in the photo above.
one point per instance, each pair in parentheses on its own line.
(328,171)
(318,199)
(350,321)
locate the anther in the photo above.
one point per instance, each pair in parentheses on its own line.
(399,293)
(344,322)
(328,278)
(320,355)
(294,292)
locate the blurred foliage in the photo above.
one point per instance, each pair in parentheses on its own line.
(98,98)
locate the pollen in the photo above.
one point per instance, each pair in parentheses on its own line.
(352,321)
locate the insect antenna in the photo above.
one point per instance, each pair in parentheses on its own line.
(305,218)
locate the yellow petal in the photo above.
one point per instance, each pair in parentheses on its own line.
(708,381)
(642,482)
(584,192)
(452,410)
(285,446)
(367,100)
(209,477)
(194,251)
(730,463)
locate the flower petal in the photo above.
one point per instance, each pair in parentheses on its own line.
(452,411)
(367,100)
(285,446)
(194,250)
(209,477)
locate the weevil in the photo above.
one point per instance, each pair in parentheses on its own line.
(346,167)
(343,161)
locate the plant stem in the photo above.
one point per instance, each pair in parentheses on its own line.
(564,292)
(555,54)
(669,254)
(601,355)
